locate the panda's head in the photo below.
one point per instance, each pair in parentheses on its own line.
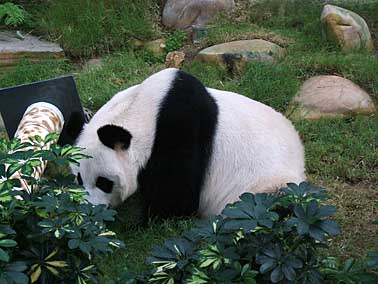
(109,177)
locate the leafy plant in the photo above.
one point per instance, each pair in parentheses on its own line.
(351,272)
(150,58)
(12,14)
(261,238)
(175,41)
(51,235)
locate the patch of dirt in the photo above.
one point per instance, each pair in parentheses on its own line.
(357,209)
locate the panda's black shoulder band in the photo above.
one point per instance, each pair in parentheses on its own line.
(173,177)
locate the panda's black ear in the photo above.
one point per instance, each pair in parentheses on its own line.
(72,128)
(113,136)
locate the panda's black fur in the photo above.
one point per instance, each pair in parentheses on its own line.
(184,137)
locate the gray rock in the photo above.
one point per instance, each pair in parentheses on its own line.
(236,54)
(330,96)
(182,14)
(345,28)
(13,49)
(92,64)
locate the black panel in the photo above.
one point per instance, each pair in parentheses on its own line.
(60,92)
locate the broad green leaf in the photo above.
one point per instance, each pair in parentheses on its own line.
(53,253)
(330,227)
(7,243)
(57,263)
(35,275)
(276,275)
(4,256)
(52,270)
(267,266)
(289,272)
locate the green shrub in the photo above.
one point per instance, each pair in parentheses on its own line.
(262,238)
(51,235)
(12,14)
(92,27)
(175,40)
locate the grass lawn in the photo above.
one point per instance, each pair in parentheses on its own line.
(341,154)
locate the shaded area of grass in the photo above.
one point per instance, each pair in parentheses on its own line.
(357,209)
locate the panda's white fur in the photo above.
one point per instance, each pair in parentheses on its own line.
(255,149)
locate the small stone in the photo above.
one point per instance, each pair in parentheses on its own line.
(236,54)
(13,49)
(92,64)
(183,14)
(156,47)
(174,59)
(345,28)
(136,43)
(330,96)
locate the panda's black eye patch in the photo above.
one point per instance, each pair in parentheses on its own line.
(104,184)
(79,179)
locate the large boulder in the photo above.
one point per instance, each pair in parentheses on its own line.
(235,54)
(345,28)
(330,96)
(13,49)
(183,14)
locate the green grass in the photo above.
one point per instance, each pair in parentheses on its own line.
(94,27)
(27,72)
(341,154)
(121,70)
(139,243)
(344,150)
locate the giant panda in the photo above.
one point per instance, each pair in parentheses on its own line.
(186,148)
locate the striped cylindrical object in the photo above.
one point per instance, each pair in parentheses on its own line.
(39,119)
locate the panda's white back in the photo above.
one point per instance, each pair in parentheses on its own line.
(256,149)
